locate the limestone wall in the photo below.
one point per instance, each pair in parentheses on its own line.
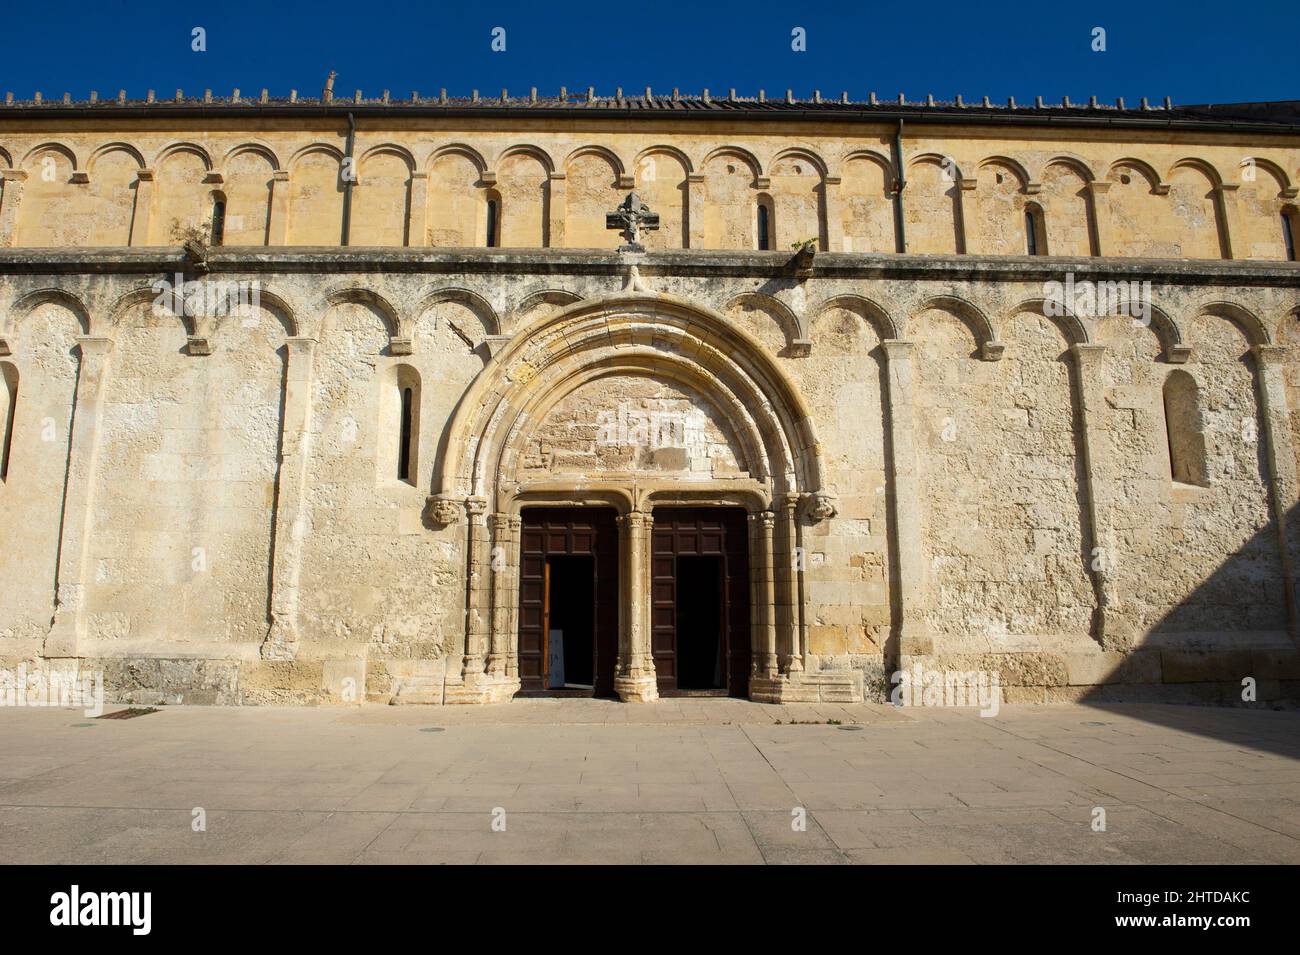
(1108,192)
(1049,539)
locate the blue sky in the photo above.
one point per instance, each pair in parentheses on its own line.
(1192,51)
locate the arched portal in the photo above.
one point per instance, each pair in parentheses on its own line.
(634,402)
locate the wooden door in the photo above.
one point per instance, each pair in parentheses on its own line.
(556,532)
(700,532)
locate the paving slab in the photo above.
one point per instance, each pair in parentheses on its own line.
(679,781)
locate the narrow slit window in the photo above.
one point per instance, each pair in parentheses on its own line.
(218,221)
(1035,231)
(764,229)
(9,395)
(404,448)
(492,214)
(1288,234)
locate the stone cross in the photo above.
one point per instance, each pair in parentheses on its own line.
(631,217)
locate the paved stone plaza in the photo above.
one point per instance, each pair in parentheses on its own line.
(687,780)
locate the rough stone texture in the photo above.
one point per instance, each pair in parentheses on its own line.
(209,507)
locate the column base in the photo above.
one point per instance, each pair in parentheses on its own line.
(481,688)
(829,686)
(637,689)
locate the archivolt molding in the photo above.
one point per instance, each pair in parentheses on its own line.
(1077,164)
(388,149)
(654,334)
(25,304)
(1285,189)
(986,336)
(1014,166)
(794,327)
(549,296)
(115,147)
(476,303)
(524,149)
(399,327)
(1158,186)
(457,149)
(1200,165)
(884,323)
(881,160)
(805,153)
(63,149)
(1075,329)
(260,149)
(1256,330)
(603,152)
(172,149)
(329,149)
(736,152)
(664,150)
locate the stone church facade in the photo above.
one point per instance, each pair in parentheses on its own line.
(329,400)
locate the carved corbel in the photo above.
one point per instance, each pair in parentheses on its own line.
(820,506)
(443,511)
(495,343)
(4,347)
(400,346)
(1179,354)
(198,345)
(992,351)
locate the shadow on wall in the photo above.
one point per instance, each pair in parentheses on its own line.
(1247,669)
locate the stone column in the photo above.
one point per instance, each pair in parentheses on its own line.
(635,679)
(1280,455)
(834,215)
(500,564)
(557,210)
(512,615)
(1115,633)
(762,525)
(10,203)
(277,226)
(695,189)
(787,583)
(905,481)
(1235,242)
(477,606)
(78,516)
(142,219)
(291,521)
(1099,205)
(417,224)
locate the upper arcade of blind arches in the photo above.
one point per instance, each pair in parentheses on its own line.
(843,193)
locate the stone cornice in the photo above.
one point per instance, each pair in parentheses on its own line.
(829,265)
